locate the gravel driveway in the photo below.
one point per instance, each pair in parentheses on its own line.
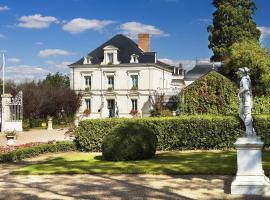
(113,186)
(36,135)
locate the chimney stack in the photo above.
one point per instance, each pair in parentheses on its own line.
(144,41)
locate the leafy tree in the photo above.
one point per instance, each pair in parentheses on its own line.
(9,86)
(56,80)
(232,22)
(250,54)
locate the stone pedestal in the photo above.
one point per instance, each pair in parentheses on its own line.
(250,178)
(50,125)
(77,121)
(10,141)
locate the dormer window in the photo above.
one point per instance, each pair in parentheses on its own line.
(134,58)
(87,60)
(110,56)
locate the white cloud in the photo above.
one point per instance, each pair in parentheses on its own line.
(265,32)
(21,73)
(204,20)
(36,21)
(14,60)
(4,8)
(27,69)
(133,28)
(187,64)
(2,36)
(79,25)
(38,43)
(53,53)
(61,65)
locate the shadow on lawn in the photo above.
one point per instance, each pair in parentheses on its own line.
(163,163)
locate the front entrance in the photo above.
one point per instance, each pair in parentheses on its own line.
(111,107)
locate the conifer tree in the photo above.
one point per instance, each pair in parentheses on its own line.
(232,22)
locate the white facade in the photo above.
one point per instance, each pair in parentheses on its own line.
(99,94)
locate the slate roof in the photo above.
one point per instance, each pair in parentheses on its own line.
(126,47)
(200,70)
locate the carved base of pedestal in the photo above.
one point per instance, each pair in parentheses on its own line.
(250,178)
(251,185)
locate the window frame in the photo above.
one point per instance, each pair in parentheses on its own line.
(110,55)
(87,84)
(88,103)
(110,85)
(136,82)
(134,104)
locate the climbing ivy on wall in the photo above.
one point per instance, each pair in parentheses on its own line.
(211,94)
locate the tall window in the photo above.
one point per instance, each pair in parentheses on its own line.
(110,58)
(87,82)
(111,82)
(134,79)
(88,104)
(134,104)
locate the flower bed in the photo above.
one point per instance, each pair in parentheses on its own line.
(8,149)
(34,149)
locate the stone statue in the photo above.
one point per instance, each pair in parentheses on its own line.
(246,101)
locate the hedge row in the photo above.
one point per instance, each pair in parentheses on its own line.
(177,133)
(29,152)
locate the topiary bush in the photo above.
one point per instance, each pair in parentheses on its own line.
(130,141)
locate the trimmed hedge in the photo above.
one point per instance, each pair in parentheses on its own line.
(177,133)
(29,152)
(130,141)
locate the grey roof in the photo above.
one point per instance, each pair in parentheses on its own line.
(200,70)
(126,47)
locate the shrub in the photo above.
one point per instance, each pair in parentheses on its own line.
(165,113)
(211,94)
(26,124)
(29,152)
(177,133)
(130,141)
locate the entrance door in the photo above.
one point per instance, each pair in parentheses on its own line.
(111,107)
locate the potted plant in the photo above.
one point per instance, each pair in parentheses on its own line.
(86,112)
(134,88)
(110,89)
(87,89)
(11,136)
(134,113)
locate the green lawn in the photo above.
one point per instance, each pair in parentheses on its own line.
(175,162)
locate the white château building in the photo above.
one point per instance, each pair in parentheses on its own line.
(119,78)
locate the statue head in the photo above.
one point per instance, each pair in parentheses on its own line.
(243,71)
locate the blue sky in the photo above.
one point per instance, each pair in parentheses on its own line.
(39,37)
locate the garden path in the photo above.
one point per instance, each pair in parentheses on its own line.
(37,135)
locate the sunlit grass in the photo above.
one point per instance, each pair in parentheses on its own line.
(175,162)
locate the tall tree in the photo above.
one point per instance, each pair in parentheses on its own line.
(232,22)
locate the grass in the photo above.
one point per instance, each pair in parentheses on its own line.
(175,162)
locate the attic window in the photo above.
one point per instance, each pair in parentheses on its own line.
(110,55)
(87,60)
(134,58)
